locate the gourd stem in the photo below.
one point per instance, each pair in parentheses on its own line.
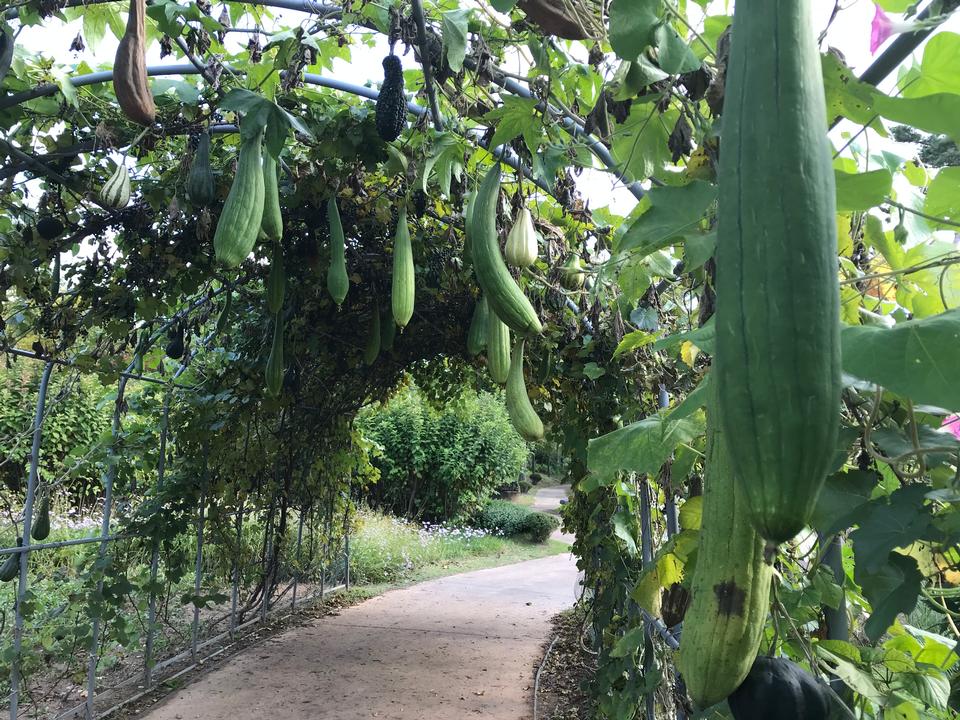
(426,63)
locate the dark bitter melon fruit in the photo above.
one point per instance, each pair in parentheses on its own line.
(730,592)
(777,321)
(49,227)
(175,346)
(391,103)
(779,688)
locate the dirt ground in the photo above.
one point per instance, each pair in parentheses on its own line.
(567,670)
(461,646)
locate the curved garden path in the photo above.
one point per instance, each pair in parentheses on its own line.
(458,647)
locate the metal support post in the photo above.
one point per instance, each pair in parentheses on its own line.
(25,555)
(109,477)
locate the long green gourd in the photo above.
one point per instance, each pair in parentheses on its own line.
(338,282)
(239,223)
(372,349)
(388,330)
(730,592)
(777,321)
(276,281)
(11,565)
(504,296)
(201,187)
(404,287)
(272,221)
(40,529)
(275,366)
(498,348)
(521,412)
(477,334)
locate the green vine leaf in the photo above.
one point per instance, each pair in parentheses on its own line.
(916,359)
(641,447)
(674,211)
(632,24)
(454,24)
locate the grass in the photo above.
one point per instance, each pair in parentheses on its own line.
(389,551)
(526,499)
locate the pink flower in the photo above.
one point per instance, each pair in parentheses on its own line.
(952,424)
(883,27)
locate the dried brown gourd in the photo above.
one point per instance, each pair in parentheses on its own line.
(130,69)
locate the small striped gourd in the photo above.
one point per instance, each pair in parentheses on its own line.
(115,193)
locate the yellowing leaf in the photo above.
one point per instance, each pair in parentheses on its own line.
(903,711)
(689,352)
(691,513)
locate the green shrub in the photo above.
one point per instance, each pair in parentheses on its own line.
(524,485)
(535,478)
(539,526)
(441,464)
(503,517)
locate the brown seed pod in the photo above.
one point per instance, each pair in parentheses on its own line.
(130,69)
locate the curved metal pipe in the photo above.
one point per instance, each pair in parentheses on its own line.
(502,153)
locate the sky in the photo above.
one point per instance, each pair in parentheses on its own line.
(850,33)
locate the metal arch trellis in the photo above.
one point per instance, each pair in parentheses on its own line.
(884,64)
(569,124)
(878,70)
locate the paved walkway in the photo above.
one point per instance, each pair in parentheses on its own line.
(458,647)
